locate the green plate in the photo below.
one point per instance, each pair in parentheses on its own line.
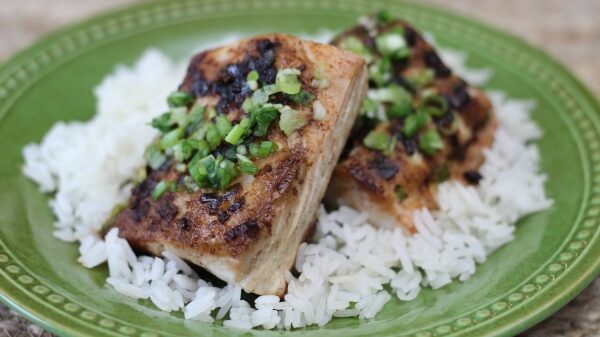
(554,256)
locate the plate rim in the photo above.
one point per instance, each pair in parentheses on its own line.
(22,301)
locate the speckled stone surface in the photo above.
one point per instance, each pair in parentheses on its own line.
(567,29)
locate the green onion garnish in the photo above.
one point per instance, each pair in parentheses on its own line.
(430,142)
(414,122)
(154,156)
(263,149)
(383,17)
(252,80)
(202,147)
(213,136)
(223,125)
(377,140)
(241,149)
(171,138)
(159,189)
(390,94)
(303,97)
(380,71)
(225,172)
(390,43)
(290,120)
(236,133)
(353,44)
(194,118)
(252,76)
(422,78)
(264,117)
(163,122)
(287,81)
(179,116)
(434,105)
(400,109)
(183,150)
(179,98)
(246,165)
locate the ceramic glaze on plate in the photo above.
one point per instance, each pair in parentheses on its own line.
(553,256)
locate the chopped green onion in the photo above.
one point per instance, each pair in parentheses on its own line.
(264,117)
(163,122)
(422,78)
(434,105)
(389,150)
(355,45)
(263,149)
(372,110)
(252,76)
(183,150)
(154,157)
(225,172)
(400,193)
(393,44)
(212,113)
(229,152)
(248,168)
(380,71)
(290,120)
(241,149)
(246,165)
(203,170)
(189,184)
(252,80)
(202,147)
(390,94)
(236,133)
(179,116)
(194,118)
(303,97)
(430,142)
(159,190)
(377,140)
(399,109)
(223,125)
(383,17)
(259,97)
(213,136)
(179,98)
(414,122)
(170,139)
(287,81)
(271,89)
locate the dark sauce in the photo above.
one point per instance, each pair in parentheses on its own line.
(385,168)
(248,228)
(433,61)
(230,84)
(472,177)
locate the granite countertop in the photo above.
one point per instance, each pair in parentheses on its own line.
(568,30)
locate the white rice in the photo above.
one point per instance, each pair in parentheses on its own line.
(344,267)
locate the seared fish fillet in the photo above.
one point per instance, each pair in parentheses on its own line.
(248,233)
(401,176)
